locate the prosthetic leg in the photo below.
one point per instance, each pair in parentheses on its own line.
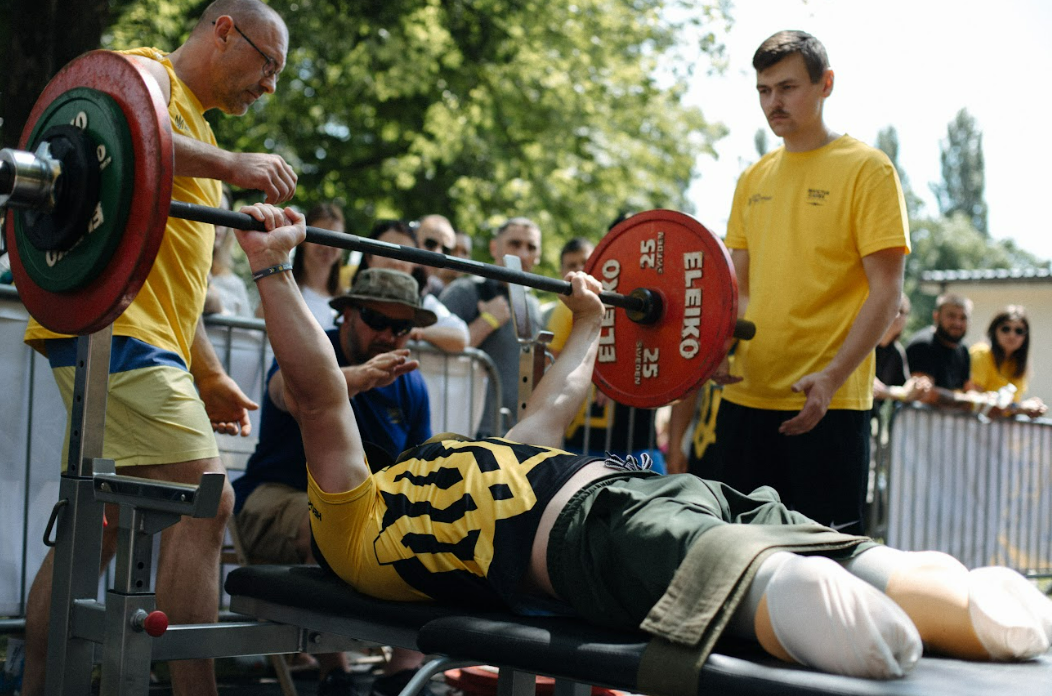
(870,617)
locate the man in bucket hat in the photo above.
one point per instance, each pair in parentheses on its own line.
(390,400)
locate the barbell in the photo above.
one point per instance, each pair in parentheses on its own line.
(96,161)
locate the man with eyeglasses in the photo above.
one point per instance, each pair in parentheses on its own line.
(390,402)
(168,391)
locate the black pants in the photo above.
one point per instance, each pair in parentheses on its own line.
(822,473)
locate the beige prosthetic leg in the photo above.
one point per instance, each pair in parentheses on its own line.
(984,614)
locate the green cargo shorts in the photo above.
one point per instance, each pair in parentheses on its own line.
(618,542)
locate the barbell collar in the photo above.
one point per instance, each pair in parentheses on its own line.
(641,305)
(27,179)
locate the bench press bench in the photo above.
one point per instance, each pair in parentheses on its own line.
(576,653)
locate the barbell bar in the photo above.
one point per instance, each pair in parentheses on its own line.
(96,156)
(646,307)
(641,304)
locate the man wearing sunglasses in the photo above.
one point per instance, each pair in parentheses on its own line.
(160,350)
(390,402)
(436,233)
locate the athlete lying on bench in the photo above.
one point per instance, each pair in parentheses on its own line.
(535,528)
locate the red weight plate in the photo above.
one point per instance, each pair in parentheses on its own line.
(97,304)
(676,257)
(482,681)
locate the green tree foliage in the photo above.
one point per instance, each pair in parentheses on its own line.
(888,142)
(953,243)
(963,172)
(478,109)
(36,39)
(950,241)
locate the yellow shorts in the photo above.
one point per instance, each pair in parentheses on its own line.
(153,416)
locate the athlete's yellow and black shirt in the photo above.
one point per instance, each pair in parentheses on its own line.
(450,520)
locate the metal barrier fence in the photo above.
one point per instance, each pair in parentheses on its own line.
(977,489)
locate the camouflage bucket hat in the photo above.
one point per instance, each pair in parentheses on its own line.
(386,285)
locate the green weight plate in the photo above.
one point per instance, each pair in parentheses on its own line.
(147,181)
(100,117)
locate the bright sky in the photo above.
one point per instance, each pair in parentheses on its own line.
(911,64)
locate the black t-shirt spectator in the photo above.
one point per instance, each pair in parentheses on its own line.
(891,364)
(949,368)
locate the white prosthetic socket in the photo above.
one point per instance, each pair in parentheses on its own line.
(826,618)
(1012,619)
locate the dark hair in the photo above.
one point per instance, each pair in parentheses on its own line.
(400,227)
(784,44)
(321,211)
(621,217)
(1010,313)
(574,245)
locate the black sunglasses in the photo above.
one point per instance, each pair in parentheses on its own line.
(378,322)
(1019,330)
(433,244)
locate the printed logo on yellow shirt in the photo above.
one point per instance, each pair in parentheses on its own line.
(816,196)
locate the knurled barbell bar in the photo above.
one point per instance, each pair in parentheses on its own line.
(82,239)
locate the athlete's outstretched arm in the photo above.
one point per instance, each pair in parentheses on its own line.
(560,393)
(315,390)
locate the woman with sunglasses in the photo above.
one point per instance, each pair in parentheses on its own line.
(449,333)
(1003,361)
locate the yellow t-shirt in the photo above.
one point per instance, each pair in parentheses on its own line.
(807,219)
(166,310)
(559,323)
(987,377)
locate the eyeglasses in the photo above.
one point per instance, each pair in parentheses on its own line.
(378,322)
(1006,329)
(432,244)
(270,66)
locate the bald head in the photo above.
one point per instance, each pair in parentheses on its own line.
(435,233)
(250,13)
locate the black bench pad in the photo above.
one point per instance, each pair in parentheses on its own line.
(575,650)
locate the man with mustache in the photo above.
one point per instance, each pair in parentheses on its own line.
(818,235)
(518,524)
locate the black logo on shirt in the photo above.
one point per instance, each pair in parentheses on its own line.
(758,198)
(816,196)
